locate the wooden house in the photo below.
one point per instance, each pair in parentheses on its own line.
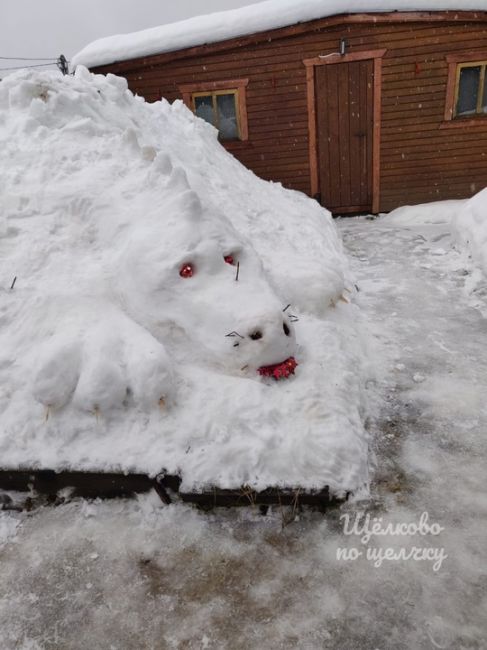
(364,111)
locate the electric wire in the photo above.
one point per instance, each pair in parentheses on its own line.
(21,67)
(28,58)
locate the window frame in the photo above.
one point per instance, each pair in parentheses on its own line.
(235,87)
(455,64)
(214,94)
(480,94)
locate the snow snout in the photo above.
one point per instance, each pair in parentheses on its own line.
(265,339)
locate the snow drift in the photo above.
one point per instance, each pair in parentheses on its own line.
(464,219)
(470,229)
(112,357)
(425,214)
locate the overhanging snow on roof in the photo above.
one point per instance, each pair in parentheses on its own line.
(272,14)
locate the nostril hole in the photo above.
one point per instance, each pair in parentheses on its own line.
(255,336)
(286,329)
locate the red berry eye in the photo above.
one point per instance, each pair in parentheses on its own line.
(229,259)
(186,271)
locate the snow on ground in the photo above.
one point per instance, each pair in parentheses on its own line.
(136,574)
(466,222)
(470,230)
(436,212)
(258,17)
(8,527)
(109,358)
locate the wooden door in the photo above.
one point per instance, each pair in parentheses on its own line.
(345,124)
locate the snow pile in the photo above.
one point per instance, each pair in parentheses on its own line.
(110,355)
(258,17)
(465,221)
(470,229)
(434,213)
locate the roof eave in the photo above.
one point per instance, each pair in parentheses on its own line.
(136,63)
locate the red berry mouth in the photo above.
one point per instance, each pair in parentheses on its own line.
(279,370)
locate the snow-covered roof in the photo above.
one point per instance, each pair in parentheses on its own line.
(272,14)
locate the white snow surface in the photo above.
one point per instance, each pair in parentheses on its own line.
(466,220)
(262,16)
(436,212)
(8,527)
(109,359)
(470,230)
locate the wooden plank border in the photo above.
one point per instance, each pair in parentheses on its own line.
(327,59)
(91,485)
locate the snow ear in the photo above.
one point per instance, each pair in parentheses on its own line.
(161,167)
(129,138)
(178,180)
(162,164)
(190,205)
(184,206)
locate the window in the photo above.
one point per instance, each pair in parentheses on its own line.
(471,95)
(220,109)
(466,92)
(221,103)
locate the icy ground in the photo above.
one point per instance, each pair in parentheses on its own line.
(136,575)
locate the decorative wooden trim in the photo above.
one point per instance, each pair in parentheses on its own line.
(450,90)
(312,130)
(310,64)
(223,84)
(454,63)
(464,57)
(376,135)
(242,110)
(239,85)
(458,123)
(120,67)
(336,57)
(237,145)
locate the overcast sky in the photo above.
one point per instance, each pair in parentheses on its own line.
(47,28)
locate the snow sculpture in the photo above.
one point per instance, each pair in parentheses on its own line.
(129,266)
(157,280)
(222,319)
(122,346)
(133,275)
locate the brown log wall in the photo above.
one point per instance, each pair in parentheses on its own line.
(420,160)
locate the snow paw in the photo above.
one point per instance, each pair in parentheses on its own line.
(111,364)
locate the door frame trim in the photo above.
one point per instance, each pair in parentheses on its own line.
(310,64)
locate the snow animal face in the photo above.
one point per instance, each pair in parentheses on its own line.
(175,297)
(200,289)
